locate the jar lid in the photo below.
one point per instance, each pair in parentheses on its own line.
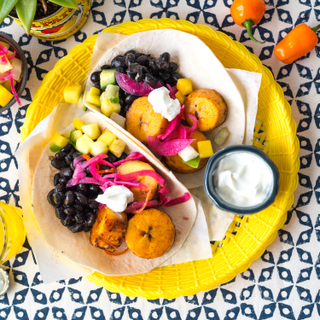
(4,282)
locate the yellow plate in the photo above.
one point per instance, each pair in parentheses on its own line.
(275,134)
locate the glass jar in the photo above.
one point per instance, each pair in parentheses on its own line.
(12,232)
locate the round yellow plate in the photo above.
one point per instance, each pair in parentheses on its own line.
(275,134)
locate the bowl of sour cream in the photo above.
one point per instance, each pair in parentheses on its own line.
(241,179)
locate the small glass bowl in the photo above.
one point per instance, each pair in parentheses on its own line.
(210,189)
(20,54)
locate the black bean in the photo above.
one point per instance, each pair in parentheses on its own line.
(93,204)
(143,60)
(81,198)
(149,79)
(50,197)
(106,66)
(118,61)
(68,158)
(153,64)
(59,187)
(111,157)
(165,57)
(79,217)
(172,67)
(139,75)
(69,198)
(87,172)
(129,58)
(76,155)
(95,77)
(134,67)
(58,198)
(91,218)
(66,172)
(83,188)
(138,54)
(121,101)
(59,213)
(58,163)
(56,178)
(93,191)
(67,148)
(102,167)
(69,211)
(164,75)
(121,69)
(63,180)
(123,156)
(77,227)
(131,75)
(72,166)
(60,155)
(86,228)
(67,221)
(130,51)
(78,207)
(176,76)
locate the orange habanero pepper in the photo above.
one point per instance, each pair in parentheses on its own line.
(297,43)
(247,13)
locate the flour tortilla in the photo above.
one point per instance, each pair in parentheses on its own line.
(77,247)
(197,62)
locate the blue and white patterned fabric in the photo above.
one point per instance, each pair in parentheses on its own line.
(285,282)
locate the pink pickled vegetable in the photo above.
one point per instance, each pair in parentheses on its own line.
(77,160)
(89,180)
(132,156)
(169,203)
(11,56)
(107,163)
(3,60)
(168,148)
(14,91)
(136,174)
(95,160)
(138,205)
(194,125)
(128,183)
(132,86)
(101,206)
(182,132)
(93,170)
(172,90)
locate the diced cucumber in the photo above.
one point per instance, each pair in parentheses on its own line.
(112,91)
(107,137)
(92,130)
(74,136)
(84,144)
(120,120)
(77,123)
(98,147)
(117,147)
(80,104)
(188,153)
(58,142)
(221,137)
(194,163)
(107,76)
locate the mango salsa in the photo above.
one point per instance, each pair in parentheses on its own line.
(205,149)
(72,93)
(184,85)
(5,96)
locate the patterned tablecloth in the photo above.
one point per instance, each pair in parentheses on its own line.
(284,282)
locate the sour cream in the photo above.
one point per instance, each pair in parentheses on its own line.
(116,198)
(162,103)
(242,179)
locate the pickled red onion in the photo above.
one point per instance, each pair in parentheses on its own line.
(168,202)
(194,125)
(131,86)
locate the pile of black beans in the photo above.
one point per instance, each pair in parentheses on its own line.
(141,67)
(76,206)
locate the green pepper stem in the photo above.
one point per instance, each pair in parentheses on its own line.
(315,29)
(248,25)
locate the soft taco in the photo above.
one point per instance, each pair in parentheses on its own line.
(75,243)
(188,57)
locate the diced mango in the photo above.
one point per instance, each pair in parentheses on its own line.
(58,142)
(92,130)
(205,149)
(77,123)
(184,85)
(98,147)
(5,96)
(72,93)
(7,85)
(67,135)
(84,144)
(107,137)
(4,67)
(117,147)
(180,97)
(93,96)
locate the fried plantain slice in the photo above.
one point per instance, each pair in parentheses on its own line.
(142,121)
(109,229)
(150,234)
(208,106)
(175,162)
(140,194)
